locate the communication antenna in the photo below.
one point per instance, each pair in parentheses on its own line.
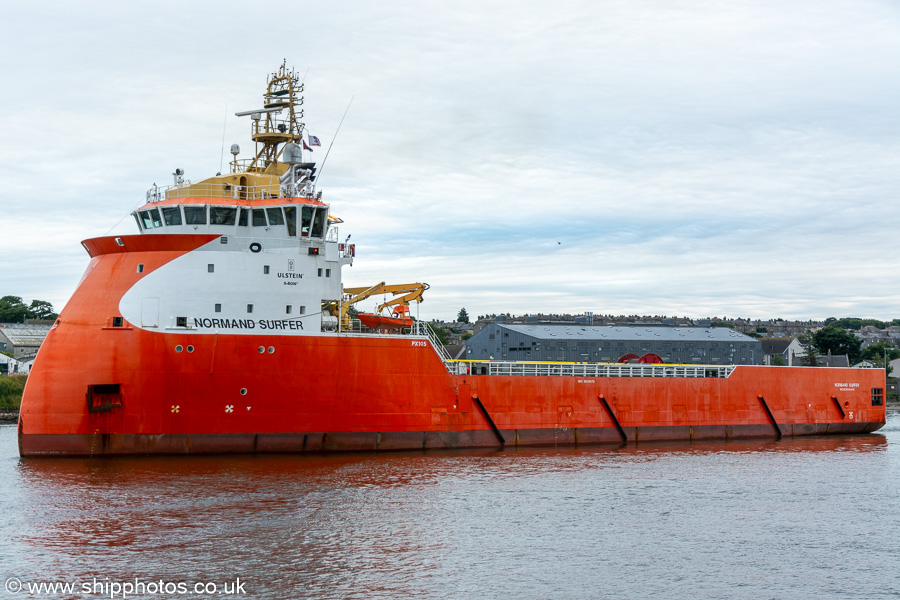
(224,123)
(319,174)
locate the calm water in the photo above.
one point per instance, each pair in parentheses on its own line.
(807,518)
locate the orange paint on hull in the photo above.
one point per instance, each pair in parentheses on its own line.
(384,393)
(334,392)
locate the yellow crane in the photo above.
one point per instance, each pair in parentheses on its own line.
(405,292)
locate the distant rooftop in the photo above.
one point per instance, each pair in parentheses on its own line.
(22,334)
(775,345)
(613,332)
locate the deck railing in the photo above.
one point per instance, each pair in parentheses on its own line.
(550,369)
(216,190)
(423,328)
(561,369)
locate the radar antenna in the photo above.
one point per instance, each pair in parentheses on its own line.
(270,129)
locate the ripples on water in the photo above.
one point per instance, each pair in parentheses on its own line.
(796,518)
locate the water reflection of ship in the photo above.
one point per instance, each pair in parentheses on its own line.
(182,505)
(90,476)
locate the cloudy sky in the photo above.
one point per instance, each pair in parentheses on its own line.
(690,157)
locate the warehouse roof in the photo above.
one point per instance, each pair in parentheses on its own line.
(21,334)
(613,332)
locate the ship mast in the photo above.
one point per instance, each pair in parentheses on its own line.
(270,130)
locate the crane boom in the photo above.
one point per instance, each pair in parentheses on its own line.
(411,292)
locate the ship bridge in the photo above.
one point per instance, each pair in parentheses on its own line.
(269,199)
(272,252)
(271,218)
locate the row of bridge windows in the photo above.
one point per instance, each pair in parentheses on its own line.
(312,219)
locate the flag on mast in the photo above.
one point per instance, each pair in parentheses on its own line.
(305,147)
(313,140)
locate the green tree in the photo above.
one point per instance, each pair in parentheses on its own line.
(463,316)
(874,323)
(878,352)
(881,354)
(837,341)
(40,309)
(13,310)
(855,323)
(807,340)
(845,323)
(762,330)
(440,333)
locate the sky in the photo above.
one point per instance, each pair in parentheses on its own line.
(682,158)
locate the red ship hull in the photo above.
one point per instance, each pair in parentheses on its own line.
(347,392)
(219,329)
(386,394)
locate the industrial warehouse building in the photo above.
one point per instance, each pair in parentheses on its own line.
(608,343)
(22,340)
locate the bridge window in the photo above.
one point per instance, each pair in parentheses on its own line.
(242,219)
(222,215)
(290,217)
(172,215)
(306,217)
(259,217)
(195,215)
(275,216)
(318,227)
(151,218)
(137,220)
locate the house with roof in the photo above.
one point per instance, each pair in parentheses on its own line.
(11,366)
(772,347)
